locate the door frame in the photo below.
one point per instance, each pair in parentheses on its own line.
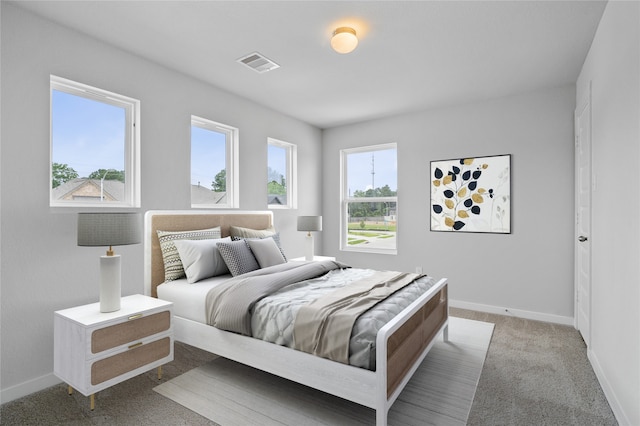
(585,103)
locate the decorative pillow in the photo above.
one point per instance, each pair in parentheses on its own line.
(263,232)
(238,257)
(201,258)
(238,231)
(266,251)
(172,264)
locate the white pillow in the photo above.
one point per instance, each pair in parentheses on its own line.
(172,264)
(266,252)
(201,258)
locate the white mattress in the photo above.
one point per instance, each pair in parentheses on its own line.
(189,299)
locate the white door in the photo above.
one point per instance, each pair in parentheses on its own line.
(583,184)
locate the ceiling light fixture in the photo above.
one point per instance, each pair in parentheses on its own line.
(344,40)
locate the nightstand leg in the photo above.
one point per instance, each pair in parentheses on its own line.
(160,373)
(70,390)
(92,402)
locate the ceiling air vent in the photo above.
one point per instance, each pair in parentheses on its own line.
(258,62)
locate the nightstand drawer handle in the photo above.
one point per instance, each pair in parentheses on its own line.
(136,316)
(135,345)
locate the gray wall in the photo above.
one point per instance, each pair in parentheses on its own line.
(612,69)
(42,269)
(530,271)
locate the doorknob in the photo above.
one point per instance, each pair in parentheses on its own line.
(582,238)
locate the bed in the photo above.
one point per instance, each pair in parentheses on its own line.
(401,343)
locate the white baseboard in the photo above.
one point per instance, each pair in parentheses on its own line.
(537,316)
(609,393)
(28,387)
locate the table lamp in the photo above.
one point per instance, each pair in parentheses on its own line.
(109,229)
(309,224)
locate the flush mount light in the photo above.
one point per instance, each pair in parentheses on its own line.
(344,40)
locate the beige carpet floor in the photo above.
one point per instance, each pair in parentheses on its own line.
(440,393)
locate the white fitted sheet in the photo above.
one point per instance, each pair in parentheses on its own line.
(189,299)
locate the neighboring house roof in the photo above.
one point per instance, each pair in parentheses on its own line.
(112,190)
(277,199)
(202,195)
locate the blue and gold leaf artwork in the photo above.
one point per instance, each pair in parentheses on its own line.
(460,187)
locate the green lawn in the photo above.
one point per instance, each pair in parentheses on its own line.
(372,227)
(353,242)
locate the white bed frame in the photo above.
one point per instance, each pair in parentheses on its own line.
(401,345)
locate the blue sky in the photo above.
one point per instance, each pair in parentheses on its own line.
(360,165)
(87,135)
(207,155)
(277,157)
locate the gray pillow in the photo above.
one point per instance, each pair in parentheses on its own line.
(275,236)
(238,257)
(238,231)
(266,251)
(201,258)
(172,264)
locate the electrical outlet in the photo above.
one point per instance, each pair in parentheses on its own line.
(418,269)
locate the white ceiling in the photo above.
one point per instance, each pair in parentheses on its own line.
(412,55)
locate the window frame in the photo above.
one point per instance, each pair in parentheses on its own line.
(345,200)
(131,148)
(291,175)
(231,161)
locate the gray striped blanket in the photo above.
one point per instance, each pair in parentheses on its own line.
(229,304)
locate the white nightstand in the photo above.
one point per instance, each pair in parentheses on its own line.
(94,350)
(315,258)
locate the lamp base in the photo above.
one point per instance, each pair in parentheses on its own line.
(110,283)
(308,252)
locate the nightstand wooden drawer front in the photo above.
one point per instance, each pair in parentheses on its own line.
(135,328)
(138,356)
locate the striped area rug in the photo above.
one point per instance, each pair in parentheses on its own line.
(440,393)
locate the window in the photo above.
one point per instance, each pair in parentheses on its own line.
(95,147)
(369,199)
(214,164)
(281,174)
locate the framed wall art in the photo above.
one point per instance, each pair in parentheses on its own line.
(471,194)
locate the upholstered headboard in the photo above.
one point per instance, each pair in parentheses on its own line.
(185,220)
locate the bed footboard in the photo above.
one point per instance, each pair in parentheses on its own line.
(408,342)
(403,343)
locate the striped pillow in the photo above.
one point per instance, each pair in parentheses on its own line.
(173,268)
